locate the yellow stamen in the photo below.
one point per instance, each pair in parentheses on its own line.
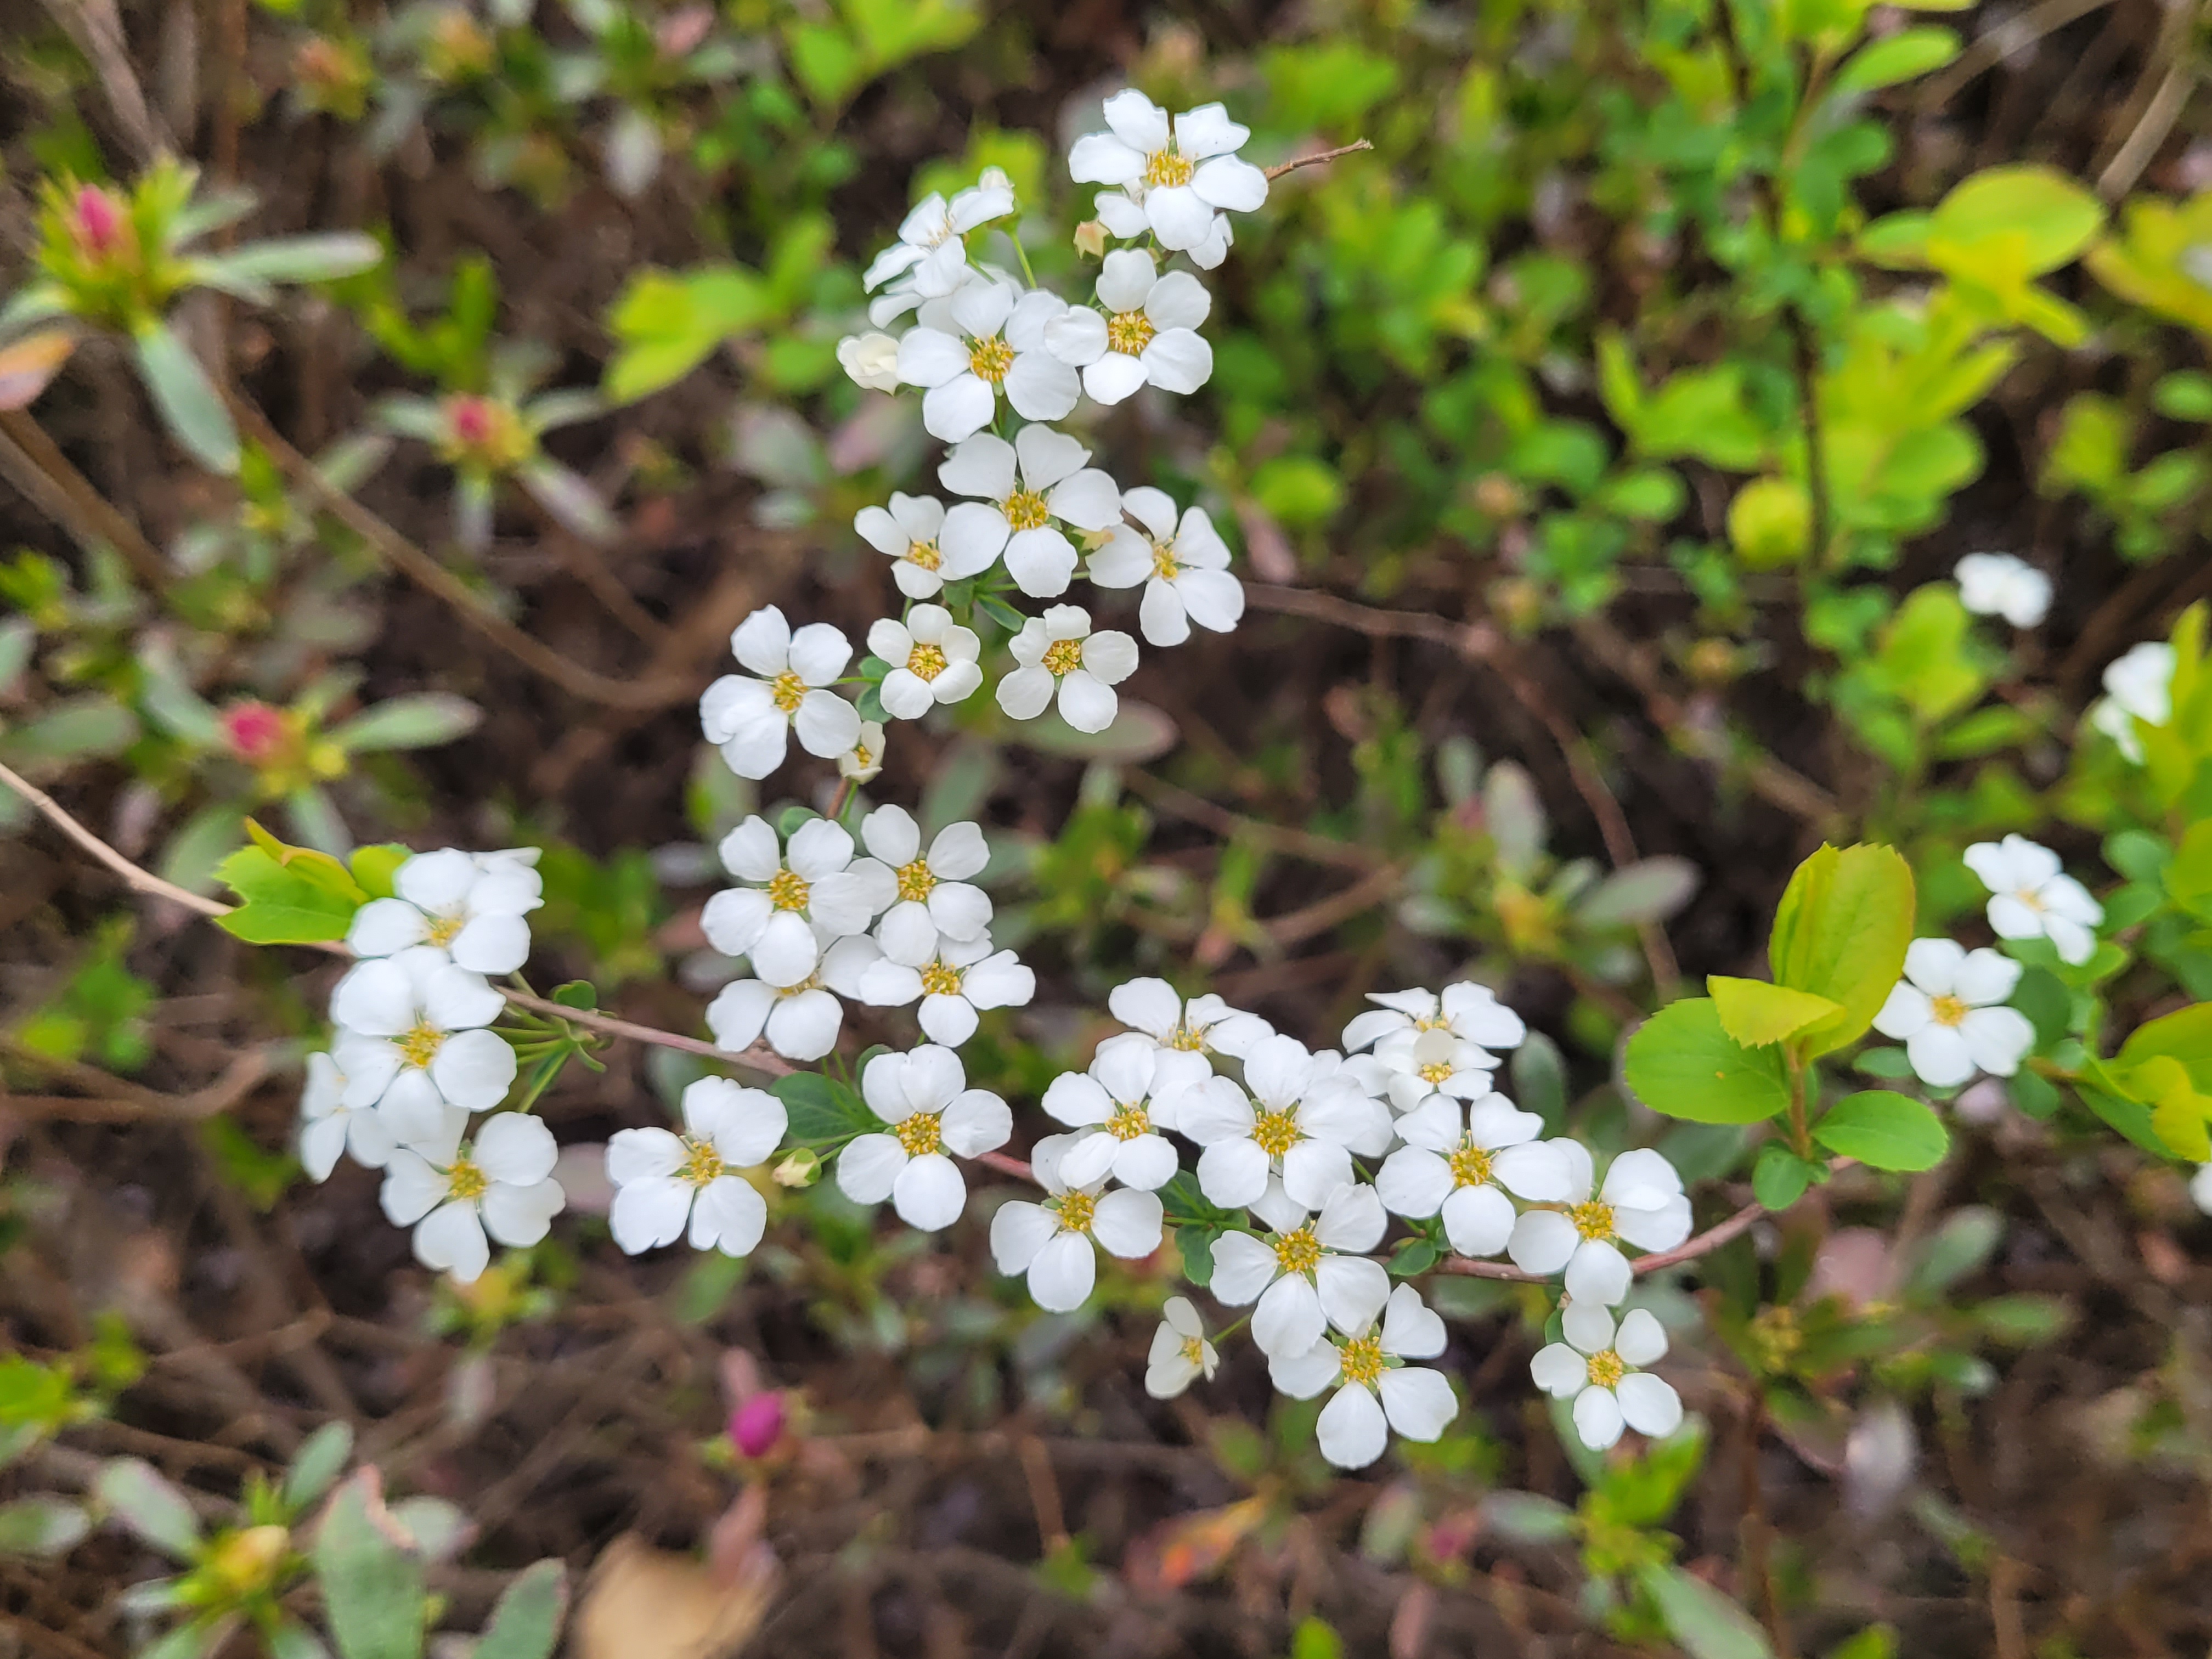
(1193,1352)
(991,359)
(1188,1041)
(1129,332)
(702,1162)
(442,930)
(926,662)
(1276,1132)
(915,880)
(787,890)
(1076,1210)
(924,555)
(940,979)
(1470,1165)
(465,1180)
(1127,1122)
(1436,1073)
(788,690)
(1363,1360)
(1027,509)
(1593,1220)
(1168,167)
(920,1134)
(1063,656)
(1164,567)
(419,1047)
(1606,1369)
(1297,1251)
(1946,1010)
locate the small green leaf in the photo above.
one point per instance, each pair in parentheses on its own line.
(375,867)
(146,1503)
(280,904)
(1900,56)
(1769,523)
(1707,1623)
(821,1109)
(1195,1246)
(411,722)
(1780,1177)
(1757,1014)
(318,258)
(190,405)
(316,1464)
(1885,1130)
(577,994)
(1683,1063)
(1841,932)
(527,1620)
(372,1591)
(41,1526)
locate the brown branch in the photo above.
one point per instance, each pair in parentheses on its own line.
(1316,159)
(1178,802)
(144,880)
(35,464)
(1711,1239)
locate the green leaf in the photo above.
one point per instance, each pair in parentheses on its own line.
(1769,523)
(1900,56)
(318,258)
(146,1503)
(376,868)
(1780,1177)
(418,721)
(1885,1130)
(1649,890)
(1707,1623)
(41,1526)
(666,325)
(1841,932)
(282,903)
(1540,1080)
(318,1462)
(188,402)
(76,729)
(2053,217)
(1195,1245)
(372,1591)
(821,1109)
(1757,1014)
(1682,1063)
(527,1620)
(1923,658)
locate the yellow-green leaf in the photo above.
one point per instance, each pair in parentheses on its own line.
(1757,1014)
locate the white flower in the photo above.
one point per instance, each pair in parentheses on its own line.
(411,1042)
(1419,1066)
(865,757)
(1147,337)
(802,1021)
(663,1180)
(963,977)
(1594,1368)
(871,359)
(2003,585)
(2200,1188)
(1058,650)
(752,719)
(1205,1024)
(929,546)
(929,250)
(1468,1010)
(2031,898)
(1188,168)
(933,659)
(1299,1123)
(502,1185)
(1640,1203)
(804,897)
(1118,1109)
(1185,569)
(329,1126)
(1181,1354)
(1380,1391)
(1944,1010)
(993,343)
(1122,213)
(932,899)
(1461,1163)
(1051,1242)
(1309,1277)
(1039,477)
(2139,686)
(924,1096)
(470,908)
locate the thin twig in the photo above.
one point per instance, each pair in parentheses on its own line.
(1316,159)
(1706,1241)
(144,880)
(1180,803)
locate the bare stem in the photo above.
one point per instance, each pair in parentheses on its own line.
(1315,160)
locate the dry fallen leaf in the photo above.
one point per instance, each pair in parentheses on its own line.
(645,1603)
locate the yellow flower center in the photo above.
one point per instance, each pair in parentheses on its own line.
(991,359)
(940,979)
(926,662)
(788,690)
(863,757)
(1275,1133)
(1075,1210)
(924,555)
(1027,509)
(2030,898)
(1193,1352)
(420,1046)
(465,1180)
(1165,567)
(1129,332)
(1436,1073)
(442,930)
(1946,1010)
(702,1162)
(1593,1220)
(1470,1165)
(1297,1251)
(915,880)
(1362,1359)
(812,982)
(1063,656)
(1187,1039)
(787,890)
(1606,1369)
(1168,167)
(1127,1122)
(920,1134)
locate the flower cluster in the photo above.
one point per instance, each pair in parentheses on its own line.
(413,1061)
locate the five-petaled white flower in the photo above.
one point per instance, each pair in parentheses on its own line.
(964,976)
(1380,1391)
(752,719)
(2031,898)
(1058,651)
(328,1127)
(1184,568)
(1205,1024)
(1180,1353)
(1148,335)
(932,899)
(801,1021)
(1022,488)
(871,360)
(2003,585)
(470,906)
(1641,1204)
(987,339)
(1051,1242)
(865,759)
(804,897)
(1122,213)
(663,1180)
(1188,166)
(1946,1011)
(1118,1109)
(1594,1368)
(929,546)
(934,1116)
(501,1185)
(1309,1277)
(933,659)
(1299,1121)
(410,1042)
(2138,686)
(1420,1066)
(1469,1012)
(1463,1161)
(929,251)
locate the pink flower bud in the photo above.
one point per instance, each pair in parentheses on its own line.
(96,221)
(469,420)
(756,1425)
(255,732)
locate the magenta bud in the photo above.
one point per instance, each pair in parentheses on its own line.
(756,1425)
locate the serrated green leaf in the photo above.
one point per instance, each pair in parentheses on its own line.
(1757,1014)
(822,1110)
(1682,1063)
(1841,932)
(374,868)
(279,904)
(1885,1130)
